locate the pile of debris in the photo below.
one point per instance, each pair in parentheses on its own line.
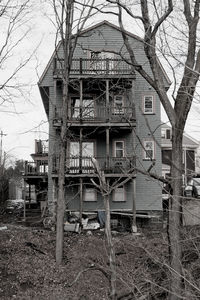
(90,221)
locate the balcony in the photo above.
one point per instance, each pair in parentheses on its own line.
(113,165)
(41,150)
(36,168)
(94,66)
(96,115)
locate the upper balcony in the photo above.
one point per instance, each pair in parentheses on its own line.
(95,67)
(41,150)
(77,166)
(114,116)
(84,166)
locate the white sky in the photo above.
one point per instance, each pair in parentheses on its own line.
(30,122)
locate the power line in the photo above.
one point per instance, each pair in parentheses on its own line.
(1,142)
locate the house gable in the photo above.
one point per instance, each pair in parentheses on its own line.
(102,37)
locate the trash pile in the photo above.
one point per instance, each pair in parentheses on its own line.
(89,221)
(14,206)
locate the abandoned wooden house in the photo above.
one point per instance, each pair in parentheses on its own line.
(112,113)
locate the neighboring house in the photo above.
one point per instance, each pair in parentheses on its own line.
(36,172)
(109,108)
(198,160)
(16,188)
(190,146)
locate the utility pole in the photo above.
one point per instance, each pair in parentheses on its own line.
(1,142)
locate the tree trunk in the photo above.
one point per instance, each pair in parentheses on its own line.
(110,248)
(60,208)
(175,217)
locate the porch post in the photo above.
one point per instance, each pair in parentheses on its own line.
(81,99)
(81,201)
(107,147)
(80,150)
(107,99)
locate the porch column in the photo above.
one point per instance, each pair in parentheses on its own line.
(81,201)
(107,100)
(81,149)
(81,99)
(134,225)
(107,147)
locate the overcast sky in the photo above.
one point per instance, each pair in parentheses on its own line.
(26,120)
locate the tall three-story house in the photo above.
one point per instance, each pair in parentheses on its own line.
(112,113)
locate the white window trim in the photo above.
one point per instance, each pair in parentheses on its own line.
(114,148)
(145,156)
(123,193)
(153,105)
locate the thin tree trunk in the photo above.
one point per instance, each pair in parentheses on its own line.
(111,248)
(175,218)
(60,209)
(61,177)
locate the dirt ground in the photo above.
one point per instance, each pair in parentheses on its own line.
(28,269)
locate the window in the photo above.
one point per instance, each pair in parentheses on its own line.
(163,133)
(118,104)
(166,133)
(119,194)
(149,150)
(101,61)
(89,195)
(119,149)
(148,105)
(87,108)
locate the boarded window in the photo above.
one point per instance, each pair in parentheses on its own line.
(89,195)
(119,194)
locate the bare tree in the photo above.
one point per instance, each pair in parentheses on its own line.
(15,19)
(158,21)
(66,21)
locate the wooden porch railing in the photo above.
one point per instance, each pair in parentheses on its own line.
(36,168)
(101,66)
(99,114)
(84,165)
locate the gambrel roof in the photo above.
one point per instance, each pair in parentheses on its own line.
(94,27)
